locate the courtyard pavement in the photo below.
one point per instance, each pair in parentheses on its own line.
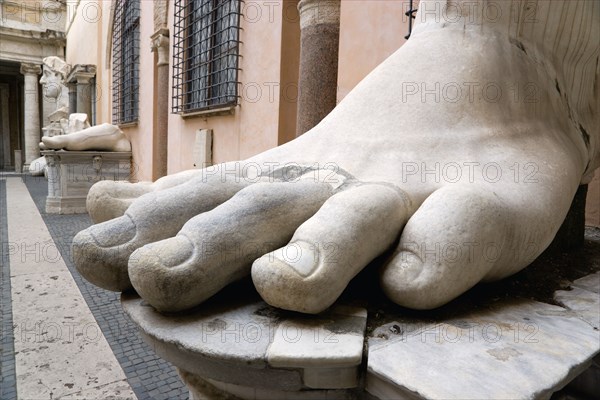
(60,336)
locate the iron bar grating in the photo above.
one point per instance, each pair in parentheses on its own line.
(205,54)
(126,60)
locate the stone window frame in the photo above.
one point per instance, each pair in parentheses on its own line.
(206,56)
(125,61)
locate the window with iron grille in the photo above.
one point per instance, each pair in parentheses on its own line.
(205,54)
(126,59)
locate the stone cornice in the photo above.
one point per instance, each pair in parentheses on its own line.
(35,5)
(47,37)
(30,46)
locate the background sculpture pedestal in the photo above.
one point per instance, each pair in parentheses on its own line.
(71,174)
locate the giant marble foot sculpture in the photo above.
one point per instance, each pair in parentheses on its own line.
(459,155)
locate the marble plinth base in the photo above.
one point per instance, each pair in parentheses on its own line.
(252,350)
(237,347)
(209,389)
(71,174)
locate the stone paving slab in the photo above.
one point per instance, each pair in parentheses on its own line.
(119,390)
(149,376)
(516,350)
(59,349)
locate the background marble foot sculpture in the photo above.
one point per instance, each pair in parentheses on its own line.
(38,167)
(459,155)
(103,137)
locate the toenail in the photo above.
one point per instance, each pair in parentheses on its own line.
(410,265)
(300,256)
(114,232)
(167,253)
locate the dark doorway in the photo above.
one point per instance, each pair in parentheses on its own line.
(11,113)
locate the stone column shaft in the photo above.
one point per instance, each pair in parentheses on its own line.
(32,112)
(160,44)
(319,48)
(72,97)
(84,95)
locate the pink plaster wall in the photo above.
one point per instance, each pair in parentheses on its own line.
(370,31)
(254,125)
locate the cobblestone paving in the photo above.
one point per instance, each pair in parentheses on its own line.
(149,376)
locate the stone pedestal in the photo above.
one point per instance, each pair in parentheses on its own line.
(71,174)
(32,112)
(245,348)
(235,346)
(319,46)
(72,97)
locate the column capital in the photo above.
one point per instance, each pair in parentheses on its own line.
(316,12)
(31,69)
(160,44)
(81,74)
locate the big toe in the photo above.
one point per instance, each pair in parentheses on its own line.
(101,252)
(161,274)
